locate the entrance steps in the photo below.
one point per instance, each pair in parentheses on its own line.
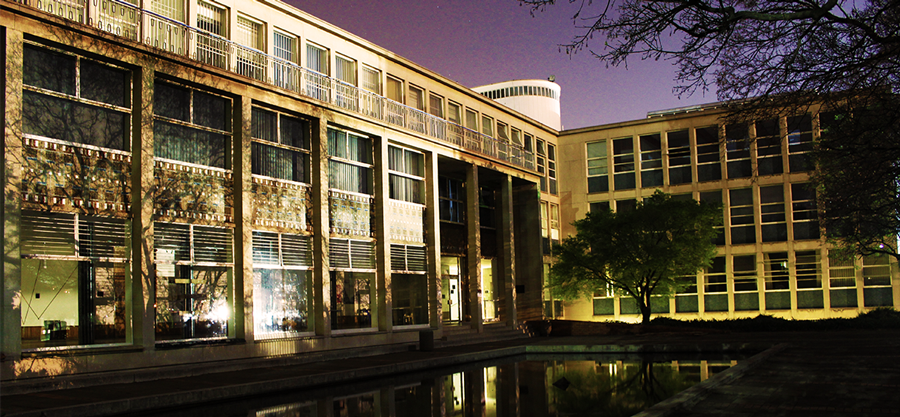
(465,334)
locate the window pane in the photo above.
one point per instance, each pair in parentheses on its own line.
(172,102)
(211,111)
(103,83)
(71,121)
(46,69)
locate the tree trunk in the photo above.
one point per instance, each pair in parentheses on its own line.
(645,311)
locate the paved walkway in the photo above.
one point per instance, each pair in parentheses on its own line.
(852,373)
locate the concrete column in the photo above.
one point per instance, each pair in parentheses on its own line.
(433,240)
(11,312)
(473,251)
(383,299)
(321,277)
(243,221)
(507,250)
(141,307)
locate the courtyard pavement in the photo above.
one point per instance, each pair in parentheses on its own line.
(838,373)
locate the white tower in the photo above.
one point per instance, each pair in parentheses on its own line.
(538,99)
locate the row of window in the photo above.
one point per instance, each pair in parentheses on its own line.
(778,206)
(521,90)
(682,165)
(776,275)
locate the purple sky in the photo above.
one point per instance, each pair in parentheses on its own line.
(477,42)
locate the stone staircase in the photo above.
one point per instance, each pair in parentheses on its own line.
(464,334)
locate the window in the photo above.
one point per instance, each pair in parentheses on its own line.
(597,167)
(545,228)
(436,105)
(876,270)
(193,274)
(768,147)
(416,98)
(345,69)
(744,267)
(737,151)
(777,273)
(351,299)
(173,9)
(471,120)
(285,48)
(394,89)
(406,175)
(350,162)
(70,98)
(371,79)
(282,294)
(529,142)
(651,161)
(249,63)
(75,270)
(742,223)
(515,136)
(708,160)
(409,293)
(502,131)
(715,197)
(454,112)
(280,145)
(452,199)
(599,206)
(211,18)
(487,208)
(804,213)
(625,205)
(554,224)
(317,58)
(841,272)
(679,157)
(623,163)
(551,168)
(715,280)
(800,142)
(542,164)
(487,125)
(809,270)
(771,205)
(191,126)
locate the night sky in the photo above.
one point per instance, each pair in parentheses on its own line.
(477,42)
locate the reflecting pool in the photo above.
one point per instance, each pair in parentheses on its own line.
(528,385)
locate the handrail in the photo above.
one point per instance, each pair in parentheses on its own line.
(158,31)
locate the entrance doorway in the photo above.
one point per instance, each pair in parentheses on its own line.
(452,275)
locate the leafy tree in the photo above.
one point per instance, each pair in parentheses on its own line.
(773,58)
(637,253)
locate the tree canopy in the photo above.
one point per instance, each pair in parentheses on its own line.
(783,58)
(646,251)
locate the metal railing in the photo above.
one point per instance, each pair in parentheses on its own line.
(129,21)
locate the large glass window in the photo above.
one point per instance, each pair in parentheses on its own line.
(768,147)
(542,163)
(800,142)
(597,167)
(746,296)
(876,274)
(350,162)
(651,161)
(743,228)
(715,196)
(551,168)
(771,204)
(211,18)
(282,295)
(623,163)
(252,34)
(191,126)
(709,166)
(351,299)
(75,271)
(679,154)
(452,200)
(70,98)
(809,269)
(406,175)
(280,147)
(778,281)
(410,299)
(804,212)
(285,48)
(737,151)
(193,276)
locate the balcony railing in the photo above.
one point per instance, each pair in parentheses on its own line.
(131,22)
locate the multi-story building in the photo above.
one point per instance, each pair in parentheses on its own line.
(772,257)
(189,181)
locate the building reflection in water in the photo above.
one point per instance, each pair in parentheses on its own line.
(589,386)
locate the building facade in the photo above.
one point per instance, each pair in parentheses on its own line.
(772,257)
(191,181)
